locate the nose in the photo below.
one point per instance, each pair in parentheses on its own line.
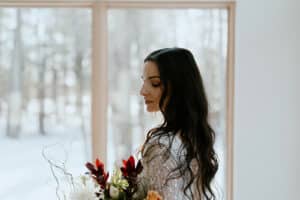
(143,90)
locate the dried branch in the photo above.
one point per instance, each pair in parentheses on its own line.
(61,168)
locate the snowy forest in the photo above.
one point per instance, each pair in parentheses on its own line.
(45,85)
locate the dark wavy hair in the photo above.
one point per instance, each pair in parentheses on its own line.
(184,107)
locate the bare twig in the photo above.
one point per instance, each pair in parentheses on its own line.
(61,168)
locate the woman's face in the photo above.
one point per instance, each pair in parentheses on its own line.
(152,86)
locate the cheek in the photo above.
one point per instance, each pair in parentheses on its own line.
(158,95)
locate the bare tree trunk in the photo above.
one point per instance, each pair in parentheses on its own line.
(54,91)
(222,71)
(79,104)
(141,103)
(41,95)
(211,28)
(14,97)
(138,53)
(79,93)
(65,91)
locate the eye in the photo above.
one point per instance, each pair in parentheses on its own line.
(155,84)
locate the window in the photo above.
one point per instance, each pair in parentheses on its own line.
(45,70)
(59,63)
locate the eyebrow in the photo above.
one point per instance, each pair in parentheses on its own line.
(151,77)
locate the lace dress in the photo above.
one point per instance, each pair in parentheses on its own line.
(157,168)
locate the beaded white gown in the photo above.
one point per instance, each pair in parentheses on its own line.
(156,168)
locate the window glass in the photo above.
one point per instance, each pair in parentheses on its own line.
(133,33)
(45,73)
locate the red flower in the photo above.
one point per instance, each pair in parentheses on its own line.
(129,169)
(130,173)
(98,172)
(128,166)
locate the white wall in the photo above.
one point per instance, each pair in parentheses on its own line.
(267,100)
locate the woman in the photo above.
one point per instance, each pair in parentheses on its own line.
(178,156)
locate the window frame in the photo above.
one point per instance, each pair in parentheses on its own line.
(99,80)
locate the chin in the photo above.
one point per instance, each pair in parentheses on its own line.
(151,109)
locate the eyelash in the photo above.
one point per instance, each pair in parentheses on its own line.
(156,85)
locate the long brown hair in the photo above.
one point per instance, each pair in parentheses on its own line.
(186,112)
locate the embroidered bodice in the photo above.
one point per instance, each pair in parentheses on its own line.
(157,168)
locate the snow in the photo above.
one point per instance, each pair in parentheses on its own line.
(25,174)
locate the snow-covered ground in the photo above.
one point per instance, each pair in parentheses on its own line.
(25,174)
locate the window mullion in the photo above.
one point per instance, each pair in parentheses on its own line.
(99,81)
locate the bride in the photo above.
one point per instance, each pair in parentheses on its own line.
(178,156)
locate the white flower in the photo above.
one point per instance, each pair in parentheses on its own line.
(113,192)
(85,189)
(118,181)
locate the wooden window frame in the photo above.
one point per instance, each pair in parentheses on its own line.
(99,44)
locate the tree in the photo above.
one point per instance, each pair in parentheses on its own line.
(16,72)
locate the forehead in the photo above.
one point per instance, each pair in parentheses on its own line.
(150,69)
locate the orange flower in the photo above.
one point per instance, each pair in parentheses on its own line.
(153,195)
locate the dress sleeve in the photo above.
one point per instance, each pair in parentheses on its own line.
(157,169)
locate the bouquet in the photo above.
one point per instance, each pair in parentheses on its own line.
(122,185)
